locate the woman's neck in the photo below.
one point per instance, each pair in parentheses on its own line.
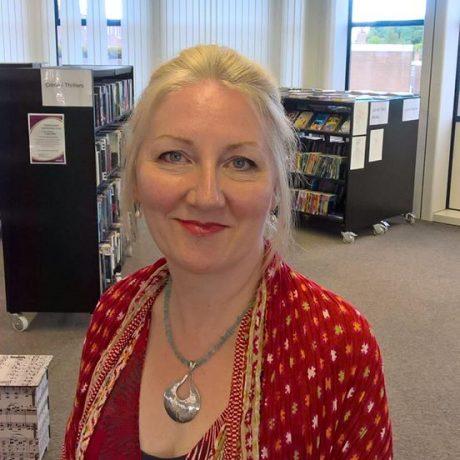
(207,304)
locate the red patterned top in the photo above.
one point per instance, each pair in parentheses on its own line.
(307,379)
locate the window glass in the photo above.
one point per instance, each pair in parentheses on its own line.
(113,9)
(388,10)
(113,14)
(386,58)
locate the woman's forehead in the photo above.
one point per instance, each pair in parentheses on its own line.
(206,106)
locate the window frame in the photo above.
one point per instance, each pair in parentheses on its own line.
(351,25)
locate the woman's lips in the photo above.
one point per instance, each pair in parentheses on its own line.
(200,228)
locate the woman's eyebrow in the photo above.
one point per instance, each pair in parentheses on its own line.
(176,138)
(230,147)
(242,144)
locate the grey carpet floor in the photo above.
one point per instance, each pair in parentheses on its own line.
(406,282)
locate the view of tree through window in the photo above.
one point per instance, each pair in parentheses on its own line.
(386,45)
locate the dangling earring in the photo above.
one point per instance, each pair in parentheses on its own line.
(137,209)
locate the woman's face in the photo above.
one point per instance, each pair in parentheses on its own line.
(205,178)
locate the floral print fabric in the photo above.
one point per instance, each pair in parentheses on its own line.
(311,383)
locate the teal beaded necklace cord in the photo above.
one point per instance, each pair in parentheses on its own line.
(184,410)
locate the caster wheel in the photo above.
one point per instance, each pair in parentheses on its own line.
(349,237)
(19,322)
(381,228)
(410,218)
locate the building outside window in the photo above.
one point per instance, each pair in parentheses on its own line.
(385,45)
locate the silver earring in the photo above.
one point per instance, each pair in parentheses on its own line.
(137,209)
(273,218)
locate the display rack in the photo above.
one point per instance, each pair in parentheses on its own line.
(356,164)
(56,257)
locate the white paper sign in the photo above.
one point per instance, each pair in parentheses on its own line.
(47,138)
(411,109)
(379,113)
(66,87)
(360,113)
(376,145)
(23,370)
(358,151)
(336,139)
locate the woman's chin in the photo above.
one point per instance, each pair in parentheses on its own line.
(201,262)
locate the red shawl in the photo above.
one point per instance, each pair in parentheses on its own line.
(307,382)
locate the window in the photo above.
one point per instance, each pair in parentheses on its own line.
(385,45)
(97,47)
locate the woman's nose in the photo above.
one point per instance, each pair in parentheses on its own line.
(205,191)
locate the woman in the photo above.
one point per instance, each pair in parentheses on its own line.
(221,350)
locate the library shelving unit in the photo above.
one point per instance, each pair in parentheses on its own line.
(355,166)
(60,157)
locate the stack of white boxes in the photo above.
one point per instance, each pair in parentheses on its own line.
(24,407)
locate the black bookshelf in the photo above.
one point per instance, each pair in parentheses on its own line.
(49,212)
(380,189)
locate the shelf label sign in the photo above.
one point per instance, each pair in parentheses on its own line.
(360,114)
(358,152)
(46,138)
(411,109)
(66,87)
(376,145)
(379,113)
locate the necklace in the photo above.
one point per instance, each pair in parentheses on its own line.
(184,410)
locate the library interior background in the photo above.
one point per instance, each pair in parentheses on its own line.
(372,89)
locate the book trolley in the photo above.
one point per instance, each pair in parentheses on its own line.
(60,160)
(355,166)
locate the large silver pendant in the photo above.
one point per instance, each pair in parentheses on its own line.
(182,410)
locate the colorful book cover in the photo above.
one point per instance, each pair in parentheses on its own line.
(332,123)
(318,121)
(302,120)
(345,128)
(292,115)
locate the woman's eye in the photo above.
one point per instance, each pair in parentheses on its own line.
(173,157)
(242,164)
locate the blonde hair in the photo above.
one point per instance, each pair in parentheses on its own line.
(204,62)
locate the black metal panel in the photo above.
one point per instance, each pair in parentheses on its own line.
(48,212)
(384,189)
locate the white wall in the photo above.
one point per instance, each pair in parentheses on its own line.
(454,198)
(431,186)
(325,43)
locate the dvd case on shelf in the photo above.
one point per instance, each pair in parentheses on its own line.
(112,100)
(302,121)
(320,165)
(318,121)
(332,123)
(311,202)
(109,153)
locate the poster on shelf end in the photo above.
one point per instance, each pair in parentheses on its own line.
(47,138)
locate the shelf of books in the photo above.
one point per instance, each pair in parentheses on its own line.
(61,146)
(355,165)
